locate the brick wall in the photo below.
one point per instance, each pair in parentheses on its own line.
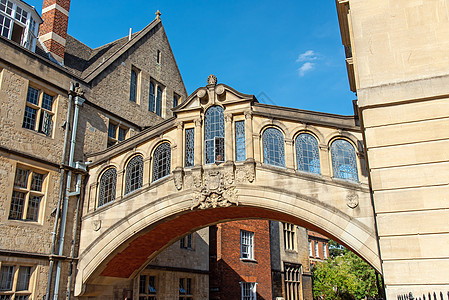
(227,269)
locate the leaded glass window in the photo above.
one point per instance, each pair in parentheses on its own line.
(344,163)
(307,154)
(108,183)
(133,86)
(190,147)
(24,279)
(214,134)
(273,147)
(159,101)
(240,140)
(6,278)
(161,161)
(134,174)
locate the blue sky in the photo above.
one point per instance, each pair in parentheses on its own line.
(287,53)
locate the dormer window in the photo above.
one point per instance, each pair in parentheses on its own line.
(18,23)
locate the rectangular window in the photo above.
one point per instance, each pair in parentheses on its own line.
(186,242)
(292,281)
(185,289)
(246,244)
(289,236)
(133,86)
(324,250)
(316,250)
(240,141)
(310,248)
(159,101)
(190,147)
(248,290)
(147,287)
(158,56)
(176,98)
(15,282)
(39,113)
(27,195)
(116,133)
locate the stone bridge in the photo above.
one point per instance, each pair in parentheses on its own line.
(223,157)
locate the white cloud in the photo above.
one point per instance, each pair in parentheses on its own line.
(306,67)
(309,55)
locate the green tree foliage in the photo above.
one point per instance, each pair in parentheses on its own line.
(344,277)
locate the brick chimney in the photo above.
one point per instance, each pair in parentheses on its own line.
(53,31)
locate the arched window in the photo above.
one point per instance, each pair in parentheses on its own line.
(344,163)
(273,147)
(108,183)
(161,161)
(214,134)
(307,153)
(134,174)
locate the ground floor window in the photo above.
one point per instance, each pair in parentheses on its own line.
(147,287)
(249,290)
(15,282)
(185,289)
(292,281)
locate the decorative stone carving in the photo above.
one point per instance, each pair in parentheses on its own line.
(228,118)
(197,122)
(96,224)
(201,93)
(228,173)
(250,172)
(211,80)
(179,124)
(248,115)
(215,192)
(219,89)
(177,178)
(352,200)
(197,178)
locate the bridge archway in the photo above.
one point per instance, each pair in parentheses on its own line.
(119,237)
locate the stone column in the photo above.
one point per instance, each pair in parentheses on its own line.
(198,142)
(325,161)
(120,184)
(180,146)
(146,171)
(249,142)
(289,153)
(229,155)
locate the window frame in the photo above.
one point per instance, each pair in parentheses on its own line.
(14,290)
(240,141)
(292,281)
(189,147)
(314,149)
(147,294)
(101,201)
(158,164)
(289,231)
(129,180)
(214,135)
(115,137)
(186,284)
(186,242)
(156,97)
(134,85)
(352,175)
(246,240)
(28,192)
(248,290)
(267,141)
(42,113)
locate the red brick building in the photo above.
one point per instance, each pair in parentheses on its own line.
(318,247)
(240,266)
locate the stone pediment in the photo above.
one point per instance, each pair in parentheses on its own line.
(213,94)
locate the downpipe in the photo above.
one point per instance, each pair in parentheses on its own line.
(78,103)
(61,191)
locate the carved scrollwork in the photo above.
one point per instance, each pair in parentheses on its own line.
(215,192)
(250,172)
(96,224)
(177,178)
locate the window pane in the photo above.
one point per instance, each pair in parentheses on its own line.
(240,140)
(133,87)
(24,279)
(189,147)
(17,204)
(47,101)
(33,208)
(29,119)
(5,26)
(307,154)
(46,123)
(142,284)
(159,101)
(273,147)
(21,179)
(33,96)
(162,161)
(111,130)
(107,186)
(134,174)
(344,163)
(152,285)
(152,103)
(121,134)
(36,182)
(214,128)
(6,276)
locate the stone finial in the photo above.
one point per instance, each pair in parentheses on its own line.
(211,80)
(158,15)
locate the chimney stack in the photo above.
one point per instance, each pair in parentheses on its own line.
(53,31)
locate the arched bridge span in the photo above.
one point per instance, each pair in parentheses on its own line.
(153,188)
